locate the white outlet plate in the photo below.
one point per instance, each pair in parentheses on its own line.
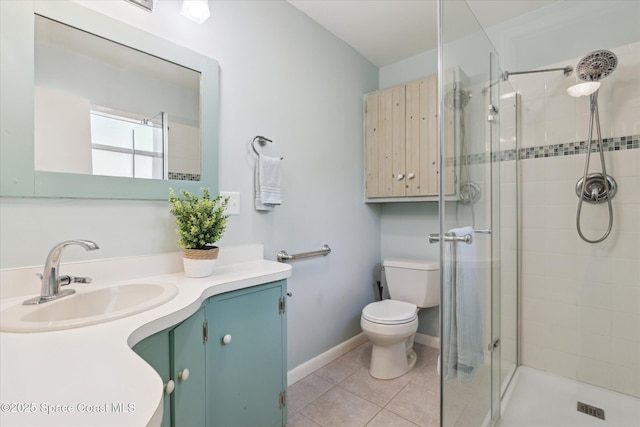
(233,207)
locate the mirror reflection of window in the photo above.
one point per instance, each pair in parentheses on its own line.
(127,147)
(85,83)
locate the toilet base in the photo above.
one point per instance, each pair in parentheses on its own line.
(392,353)
(388,362)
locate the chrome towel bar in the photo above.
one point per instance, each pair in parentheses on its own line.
(283,256)
(435,237)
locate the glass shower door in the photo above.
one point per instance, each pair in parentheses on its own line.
(469,235)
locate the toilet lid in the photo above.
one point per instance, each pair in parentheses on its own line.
(390,312)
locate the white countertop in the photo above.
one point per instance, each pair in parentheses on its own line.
(89,376)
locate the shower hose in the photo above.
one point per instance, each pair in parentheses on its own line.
(594,117)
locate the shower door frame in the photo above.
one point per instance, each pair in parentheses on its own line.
(493,205)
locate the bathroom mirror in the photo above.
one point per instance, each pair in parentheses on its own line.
(95,108)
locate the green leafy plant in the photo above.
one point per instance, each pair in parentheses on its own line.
(201,220)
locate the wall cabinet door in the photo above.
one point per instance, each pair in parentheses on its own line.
(155,351)
(401,141)
(422,137)
(385,142)
(188,370)
(246,353)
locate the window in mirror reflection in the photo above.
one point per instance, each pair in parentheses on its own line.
(123,146)
(97,107)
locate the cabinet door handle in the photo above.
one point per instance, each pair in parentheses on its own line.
(411,176)
(400,177)
(169,387)
(226,339)
(183,375)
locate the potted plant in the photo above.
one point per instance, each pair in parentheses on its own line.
(201,222)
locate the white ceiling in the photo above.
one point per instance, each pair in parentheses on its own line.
(386,31)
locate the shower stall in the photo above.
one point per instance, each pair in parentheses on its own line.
(540,320)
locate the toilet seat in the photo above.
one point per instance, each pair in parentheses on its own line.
(390,312)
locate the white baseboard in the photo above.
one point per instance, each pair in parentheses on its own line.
(429,340)
(310,366)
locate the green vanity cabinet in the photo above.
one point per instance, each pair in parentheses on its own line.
(155,350)
(188,370)
(178,355)
(233,351)
(246,353)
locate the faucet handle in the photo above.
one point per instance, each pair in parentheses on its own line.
(65,280)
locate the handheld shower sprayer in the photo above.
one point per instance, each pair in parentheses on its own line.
(594,187)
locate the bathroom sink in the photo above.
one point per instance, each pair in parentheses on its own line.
(86,308)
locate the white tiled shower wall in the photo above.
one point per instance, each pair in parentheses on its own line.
(581,301)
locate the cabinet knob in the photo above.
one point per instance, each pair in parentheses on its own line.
(226,339)
(169,387)
(400,177)
(183,375)
(411,176)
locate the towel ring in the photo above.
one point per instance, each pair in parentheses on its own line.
(262,141)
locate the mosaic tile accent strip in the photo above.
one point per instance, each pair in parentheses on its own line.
(567,149)
(180,176)
(572,148)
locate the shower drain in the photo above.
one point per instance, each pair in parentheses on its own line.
(591,410)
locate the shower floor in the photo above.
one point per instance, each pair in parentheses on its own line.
(536,399)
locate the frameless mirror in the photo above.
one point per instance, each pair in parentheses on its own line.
(95,108)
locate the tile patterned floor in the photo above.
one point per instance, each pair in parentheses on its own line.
(343,394)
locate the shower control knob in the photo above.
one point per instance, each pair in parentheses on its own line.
(183,375)
(411,176)
(400,177)
(226,339)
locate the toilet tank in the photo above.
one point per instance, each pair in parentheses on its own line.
(412,280)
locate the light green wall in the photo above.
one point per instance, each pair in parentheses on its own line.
(284,77)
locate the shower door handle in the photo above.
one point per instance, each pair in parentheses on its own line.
(494,345)
(493,113)
(467,238)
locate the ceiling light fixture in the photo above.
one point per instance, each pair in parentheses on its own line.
(195,10)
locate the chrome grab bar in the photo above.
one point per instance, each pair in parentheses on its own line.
(435,237)
(283,256)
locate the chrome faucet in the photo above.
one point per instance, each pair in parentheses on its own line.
(52,281)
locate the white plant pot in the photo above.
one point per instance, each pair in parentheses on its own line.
(199,263)
(198,267)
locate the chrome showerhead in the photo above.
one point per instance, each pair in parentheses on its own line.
(457,98)
(596,65)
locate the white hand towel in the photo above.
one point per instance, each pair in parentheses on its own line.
(268,191)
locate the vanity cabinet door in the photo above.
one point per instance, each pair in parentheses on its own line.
(155,351)
(188,371)
(246,357)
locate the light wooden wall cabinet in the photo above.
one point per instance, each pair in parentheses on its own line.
(401,143)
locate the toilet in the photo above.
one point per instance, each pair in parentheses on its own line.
(391,324)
